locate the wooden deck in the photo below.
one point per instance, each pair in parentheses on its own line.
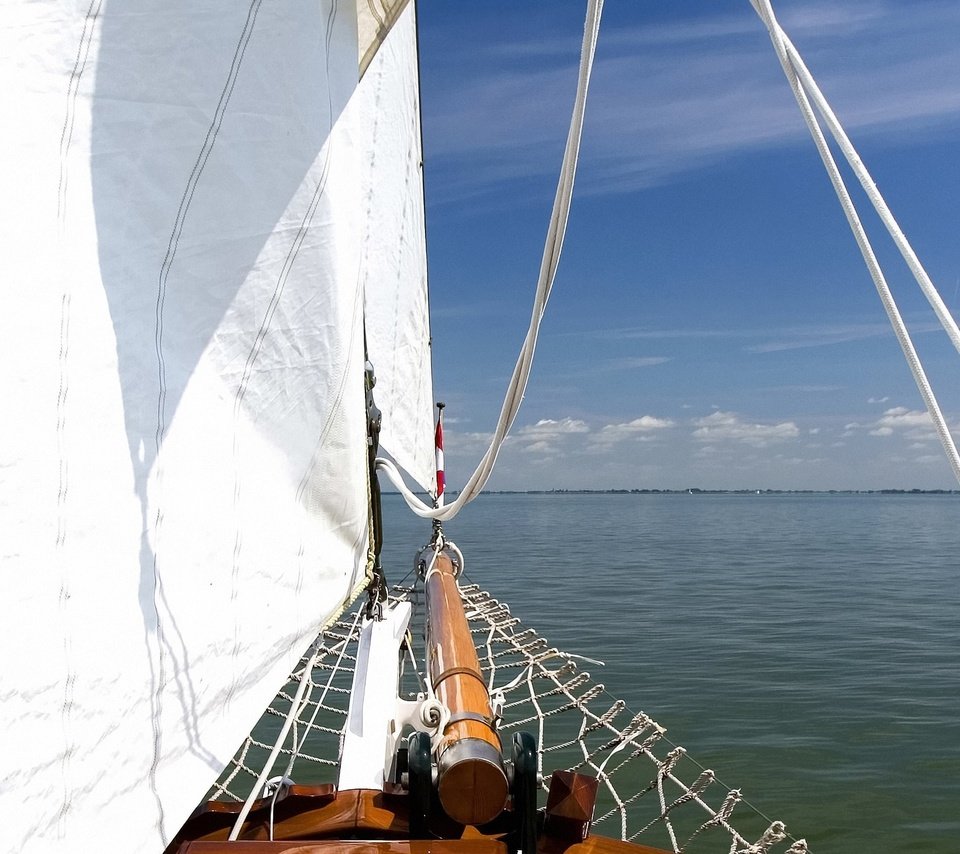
(319,820)
(592,845)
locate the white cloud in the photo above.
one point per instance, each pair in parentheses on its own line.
(727,426)
(636,333)
(824,336)
(469,437)
(548,428)
(798,339)
(547,435)
(459,446)
(771,339)
(914,424)
(541,446)
(609,366)
(641,429)
(636,362)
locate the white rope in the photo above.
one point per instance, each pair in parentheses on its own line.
(801,81)
(650,789)
(281,785)
(664,804)
(873,193)
(548,271)
(291,717)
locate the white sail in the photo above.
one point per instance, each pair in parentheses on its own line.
(375,20)
(183,500)
(394,261)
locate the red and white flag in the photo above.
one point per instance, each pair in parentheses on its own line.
(441,480)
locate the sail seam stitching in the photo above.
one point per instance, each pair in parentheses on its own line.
(341,385)
(252,356)
(172,245)
(66,140)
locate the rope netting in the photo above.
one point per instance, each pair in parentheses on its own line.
(650,791)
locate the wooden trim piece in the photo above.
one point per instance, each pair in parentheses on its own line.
(452,846)
(570,807)
(323,792)
(358,812)
(486,845)
(603,845)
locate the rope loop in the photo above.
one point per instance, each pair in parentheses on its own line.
(548,270)
(426,567)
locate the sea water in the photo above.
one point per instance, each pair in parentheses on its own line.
(804,647)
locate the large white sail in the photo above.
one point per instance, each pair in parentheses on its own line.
(184,490)
(394,260)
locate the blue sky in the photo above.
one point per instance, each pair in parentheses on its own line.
(712,322)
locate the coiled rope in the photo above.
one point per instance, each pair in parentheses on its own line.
(548,271)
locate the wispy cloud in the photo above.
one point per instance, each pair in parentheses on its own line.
(547,435)
(630,362)
(913,424)
(826,336)
(552,436)
(777,340)
(729,427)
(547,427)
(899,422)
(641,429)
(675,97)
(641,333)
(800,389)
(599,367)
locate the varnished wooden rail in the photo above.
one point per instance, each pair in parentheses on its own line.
(472,782)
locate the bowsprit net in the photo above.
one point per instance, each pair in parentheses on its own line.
(650,790)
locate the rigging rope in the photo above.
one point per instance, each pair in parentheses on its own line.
(650,791)
(295,708)
(548,271)
(804,88)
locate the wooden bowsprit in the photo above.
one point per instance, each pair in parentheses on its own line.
(471,780)
(446,788)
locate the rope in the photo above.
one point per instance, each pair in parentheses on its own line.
(652,791)
(873,193)
(291,717)
(548,271)
(563,693)
(803,85)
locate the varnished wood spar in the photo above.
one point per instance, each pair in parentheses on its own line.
(472,781)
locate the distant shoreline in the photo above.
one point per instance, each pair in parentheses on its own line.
(697,491)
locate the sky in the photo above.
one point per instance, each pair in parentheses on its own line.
(712,324)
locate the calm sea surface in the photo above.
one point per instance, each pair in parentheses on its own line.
(805,647)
